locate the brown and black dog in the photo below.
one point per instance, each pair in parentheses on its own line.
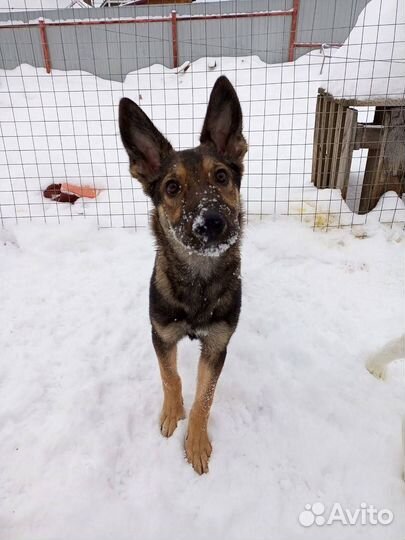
(195,289)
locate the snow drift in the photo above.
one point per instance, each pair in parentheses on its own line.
(371,62)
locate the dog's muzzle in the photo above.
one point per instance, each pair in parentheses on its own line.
(209,227)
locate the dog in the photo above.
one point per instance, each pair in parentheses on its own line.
(393,350)
(377,364)
(195,288)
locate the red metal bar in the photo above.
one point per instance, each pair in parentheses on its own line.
(252,15)
(141,20)
(293,30)
(44,44)
(315,45)
(175,43)
(87,23)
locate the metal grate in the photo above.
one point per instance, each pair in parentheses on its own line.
(63,71)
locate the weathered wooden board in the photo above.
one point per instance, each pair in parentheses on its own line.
(337,134)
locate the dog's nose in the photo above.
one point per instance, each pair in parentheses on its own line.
(210,226)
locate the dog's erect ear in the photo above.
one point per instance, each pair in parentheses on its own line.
(144,143)
(223,122)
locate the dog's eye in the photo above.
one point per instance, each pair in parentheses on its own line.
(172,188)
(221,176)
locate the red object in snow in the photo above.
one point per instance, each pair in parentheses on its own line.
(67,192)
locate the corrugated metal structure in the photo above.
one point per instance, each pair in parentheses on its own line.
(89,40)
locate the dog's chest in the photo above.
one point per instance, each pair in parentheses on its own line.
(199,300)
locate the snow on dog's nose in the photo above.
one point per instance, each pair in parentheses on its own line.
(209,226)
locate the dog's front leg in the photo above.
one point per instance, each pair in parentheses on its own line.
(197,444)
(173,409)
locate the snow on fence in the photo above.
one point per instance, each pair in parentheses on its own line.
(59,126)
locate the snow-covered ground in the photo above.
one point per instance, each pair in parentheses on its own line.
(296,419)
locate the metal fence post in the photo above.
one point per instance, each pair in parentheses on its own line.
(175,44)
(44,44)
(293,30)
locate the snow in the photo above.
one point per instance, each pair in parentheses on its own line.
(371,62)
(297,418)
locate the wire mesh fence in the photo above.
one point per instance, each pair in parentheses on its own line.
(321,84)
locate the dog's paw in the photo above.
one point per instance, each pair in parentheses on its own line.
(198,450)
(170,415)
